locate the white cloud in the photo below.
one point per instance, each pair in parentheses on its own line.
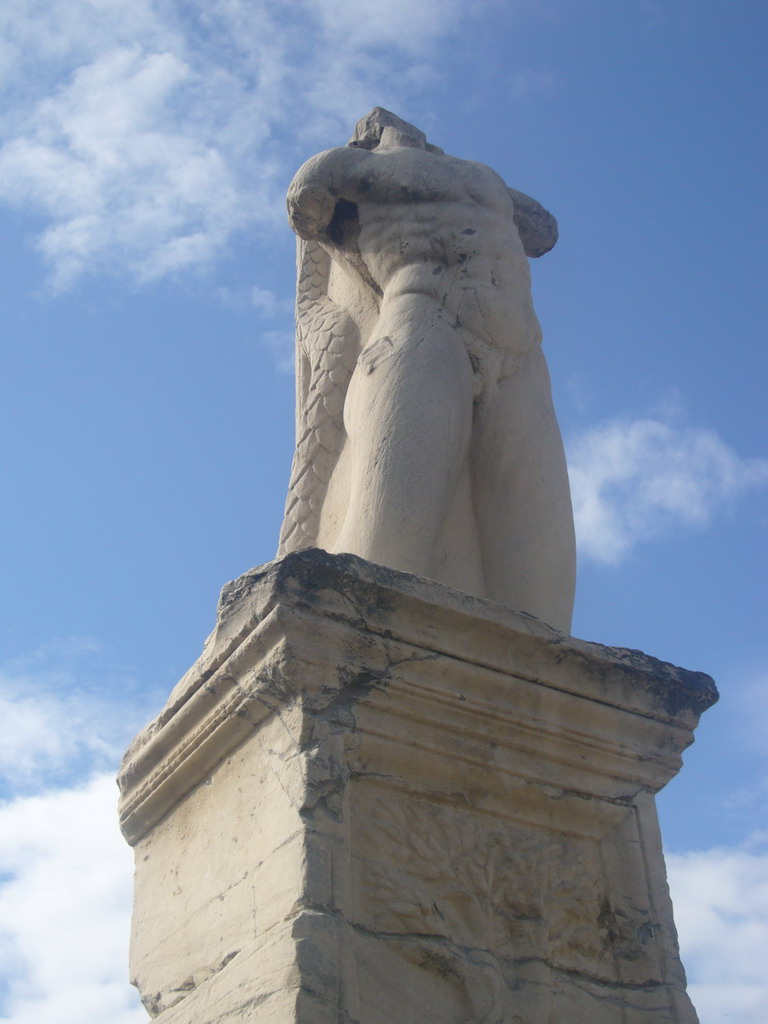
(144,132)
(721,911)
(44,39)
(120,187)
(65,871)
(65,908)
(634,479)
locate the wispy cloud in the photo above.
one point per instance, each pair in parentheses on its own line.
(721,911)
(529,82)
(632,480)
(281,346)
(58,723)
(147,134)
(398,23)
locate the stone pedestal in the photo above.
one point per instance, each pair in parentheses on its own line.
(375,800)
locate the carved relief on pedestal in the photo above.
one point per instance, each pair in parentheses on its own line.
(476,882)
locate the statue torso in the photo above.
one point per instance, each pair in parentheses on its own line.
(429,224)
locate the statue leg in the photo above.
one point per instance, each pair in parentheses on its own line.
(522,497)
(408,416)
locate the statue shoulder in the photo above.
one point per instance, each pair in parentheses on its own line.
(324,167)
(316,187)
(483,184)
(536,225)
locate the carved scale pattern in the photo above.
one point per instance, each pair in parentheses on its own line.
(327,345)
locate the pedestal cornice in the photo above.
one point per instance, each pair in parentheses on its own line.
(320,628)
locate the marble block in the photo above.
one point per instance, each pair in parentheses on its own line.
(376,800)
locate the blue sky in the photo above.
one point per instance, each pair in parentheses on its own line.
(146,309)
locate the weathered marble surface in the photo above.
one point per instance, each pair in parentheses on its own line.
(375,800)
(426,436)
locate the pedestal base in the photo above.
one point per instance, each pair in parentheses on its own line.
(374,800)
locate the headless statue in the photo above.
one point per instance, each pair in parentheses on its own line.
(426,436)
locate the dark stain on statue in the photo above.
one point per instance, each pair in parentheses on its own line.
(345,226)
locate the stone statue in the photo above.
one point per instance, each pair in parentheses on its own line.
(426,436)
